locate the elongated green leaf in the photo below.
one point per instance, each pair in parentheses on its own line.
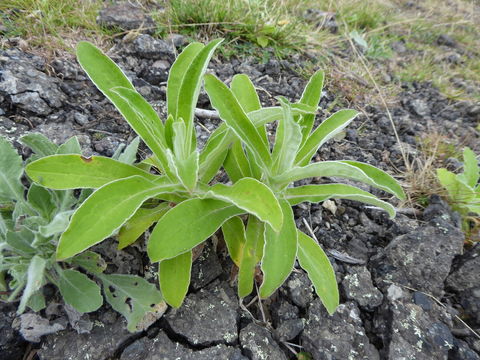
(311,96)
(174,277)
(236,163)
(133,297)
(57,225)
(187,170)
(177,74)
(187,225)
(129,155)
(11,171)
(279,253)
(35,275)
(287,141)
(232,113)
(75,171)
(471,171)
(318,193)
(324,132)
(252,196)
(348,169)
(248,261)
(190,89)
(245,92)
(457,190)
(313,260)
(235,238)
(39,143)
(71,146)
(139,223)
(79,291)
(105,211)
(41,200)
(21,241)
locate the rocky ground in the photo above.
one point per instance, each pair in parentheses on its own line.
(408,286)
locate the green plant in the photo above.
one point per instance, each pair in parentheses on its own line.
(288,161)
(171,188)
(30,227)
(463,189)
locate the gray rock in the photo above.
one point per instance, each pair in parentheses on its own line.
(470,301)
(80,119)
(156,73)
(147,47)
(11,345)
(281,310)
(465,273)
(126,16)
(461,351)
(162,348)
(289,329)
(419,107)
(300,289)
(358,286)
(416,334)
(422,258)
(446,40)
(176,39)
(340,336)
(206,317)
(31,101)
(258,344)
(205,269)
(108,333)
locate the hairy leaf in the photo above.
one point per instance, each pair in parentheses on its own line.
(79,291)
(471,171)
(132,296)
(11,171)
(311,96)
(39,143)
(187,225)
(248,261)
(71,146)
(235,238)
(104,212)
(318,193)
(245,92)
(90,261)
(174,277)
(324,132)
(75,171)
(313,260)
(279,253)
(139,223)
(35,275)
(252,196)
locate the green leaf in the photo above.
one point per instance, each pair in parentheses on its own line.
(324,132)
(318,193)
(471,171)
(133,297)
(105,211)
(187,225)
(311,96)
(71,146)
(36,302)
(313,260)
(234,235)
(79,291)
(252,196)
(244,90)
(262,41)
(41,200)
(347,169)
(39,143)
(248,261)
(236,163)
(458,191)
(129,155)
(287,141)
(21,241)
(90,261)
(174,277)
(177,74)
(190,89)
(75,171)
(35,272)
(11,170)
(139,223)
(232,113)
(279,253)
(57,225)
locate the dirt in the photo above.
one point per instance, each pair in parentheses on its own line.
(405,283)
